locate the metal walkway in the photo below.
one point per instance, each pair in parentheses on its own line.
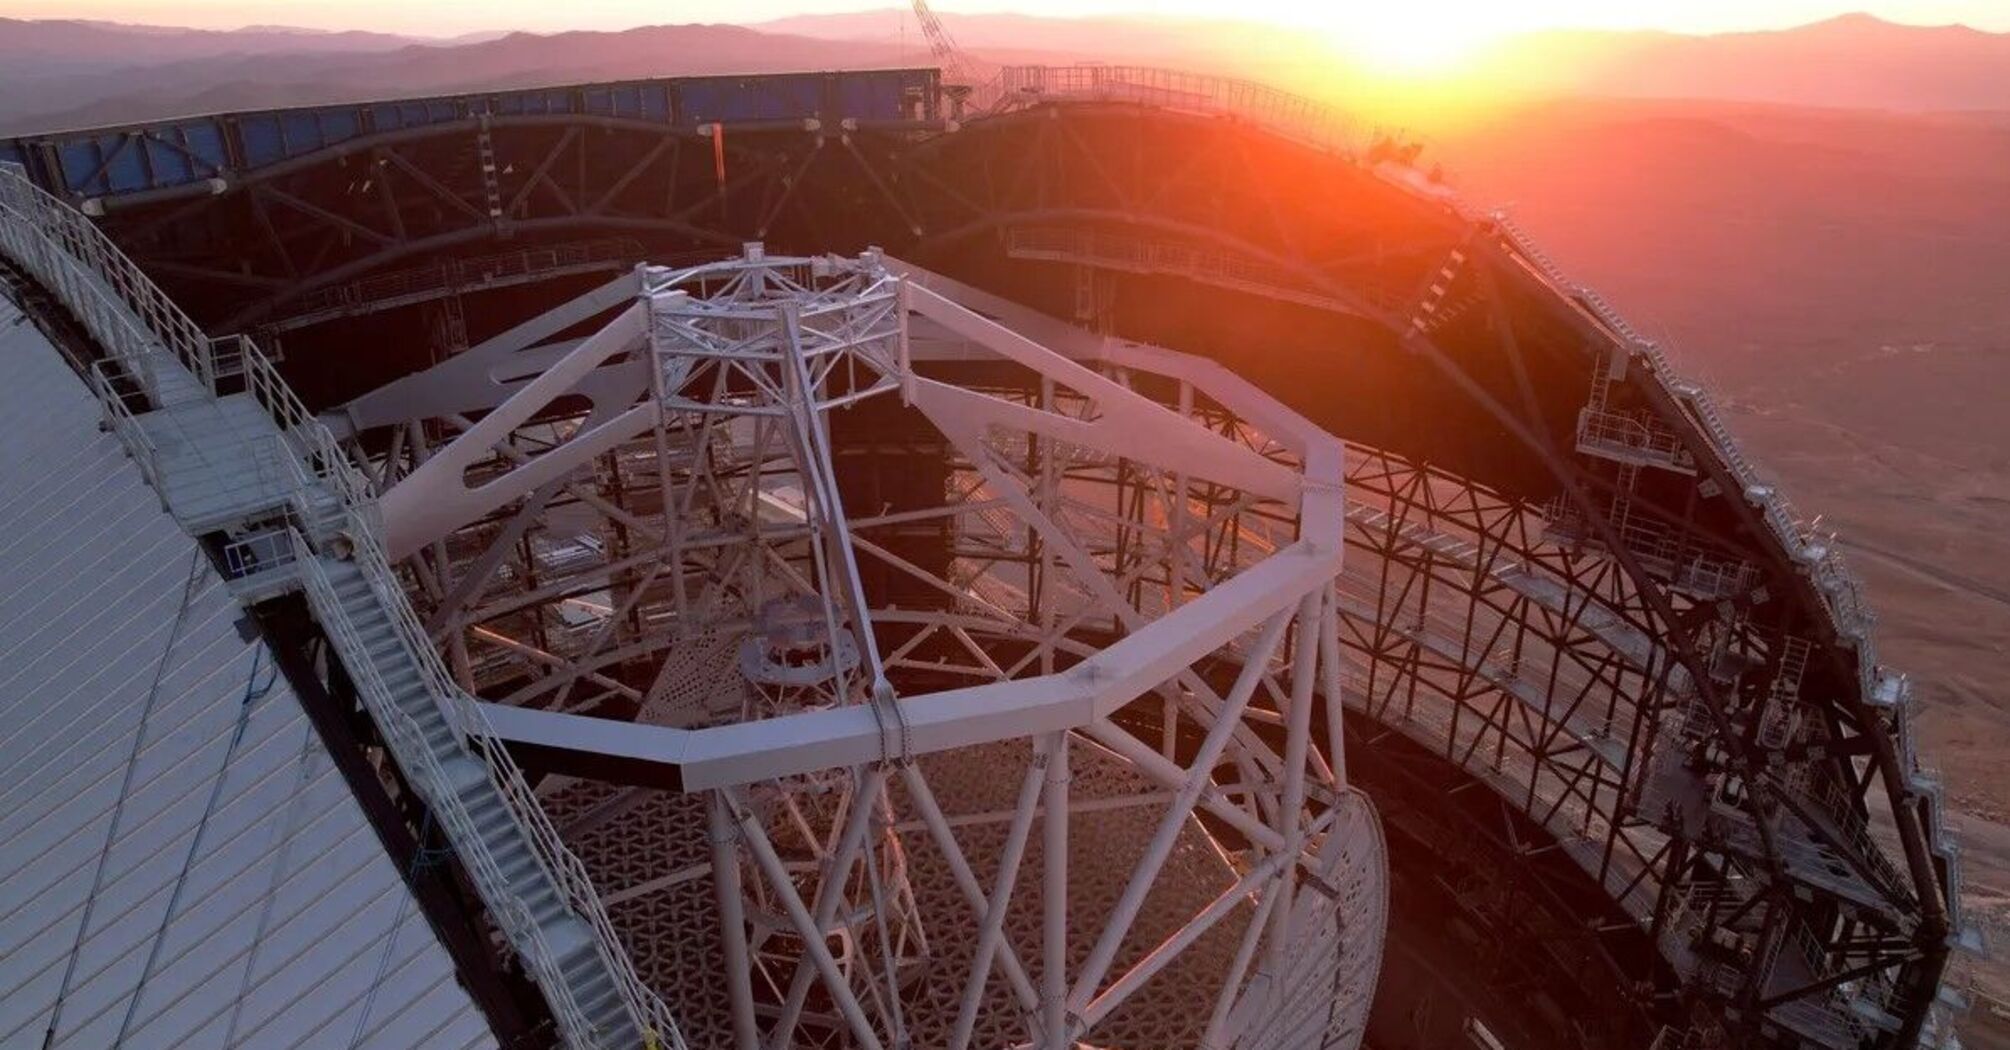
(147,748)
(251,463)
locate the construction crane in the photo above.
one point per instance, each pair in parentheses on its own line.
(957,76)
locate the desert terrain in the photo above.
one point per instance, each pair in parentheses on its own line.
(1842,279)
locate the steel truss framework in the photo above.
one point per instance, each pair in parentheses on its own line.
(1586,594)
(1116,536)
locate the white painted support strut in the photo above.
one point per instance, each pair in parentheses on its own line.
(727,892)
(748,362)
(993,924)
(436,498)
(966,880)
(1198,777)
(1054,897)
(784,888)
(830,895)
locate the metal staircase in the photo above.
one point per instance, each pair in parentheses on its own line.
(504,857)
(231,449)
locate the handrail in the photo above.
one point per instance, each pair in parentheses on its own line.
(564,868)
(67,251)
(141,331)
(422,768)
(1840,591)
(1291,116)
(119,417)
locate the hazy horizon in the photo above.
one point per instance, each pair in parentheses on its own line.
(1436,18)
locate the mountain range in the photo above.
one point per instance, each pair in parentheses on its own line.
(73,73)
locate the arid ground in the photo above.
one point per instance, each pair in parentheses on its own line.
(1843,280)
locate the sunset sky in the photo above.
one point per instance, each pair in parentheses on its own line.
(1421,26)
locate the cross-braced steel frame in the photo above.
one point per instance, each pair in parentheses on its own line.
(1096,617)
(1572,580)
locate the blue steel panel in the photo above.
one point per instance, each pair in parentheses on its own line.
(13,153)
(649,101)
(80,158)
(83,157)
(171,167)
(204,138)
(532,103)
(263,143)
(339,124)
(298,133)
(655,101)
(128,170)
(871,96)
(392,116)
(787,97)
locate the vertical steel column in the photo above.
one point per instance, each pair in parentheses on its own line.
(733,922)
(1054,898)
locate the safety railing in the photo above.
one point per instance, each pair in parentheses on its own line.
(140,328)
(259,552)
(1830,800)
(1843,600)
(1607,315)
(110,379)
(1660,550)
(567,873)
(407,742)
(1633,437)
(1531,253)
(67,252)
(151,347)
(1281,112)
(1826,1014)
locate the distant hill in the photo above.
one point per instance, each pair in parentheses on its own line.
(255,80)
(1853,62)
(72,73)
(41,47)
(1806,231)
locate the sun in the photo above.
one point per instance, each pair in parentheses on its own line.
(1397,43)
(1408,37)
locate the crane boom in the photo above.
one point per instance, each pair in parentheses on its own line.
(943,46)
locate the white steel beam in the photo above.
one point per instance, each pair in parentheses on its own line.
(784,888)
(435,498)
(486,374)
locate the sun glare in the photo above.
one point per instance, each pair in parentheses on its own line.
(1396,40)
(1403,37)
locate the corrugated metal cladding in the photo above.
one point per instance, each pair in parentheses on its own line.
(180,863)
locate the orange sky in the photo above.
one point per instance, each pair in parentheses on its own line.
(1422,28)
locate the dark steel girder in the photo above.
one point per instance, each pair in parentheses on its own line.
(476,234)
